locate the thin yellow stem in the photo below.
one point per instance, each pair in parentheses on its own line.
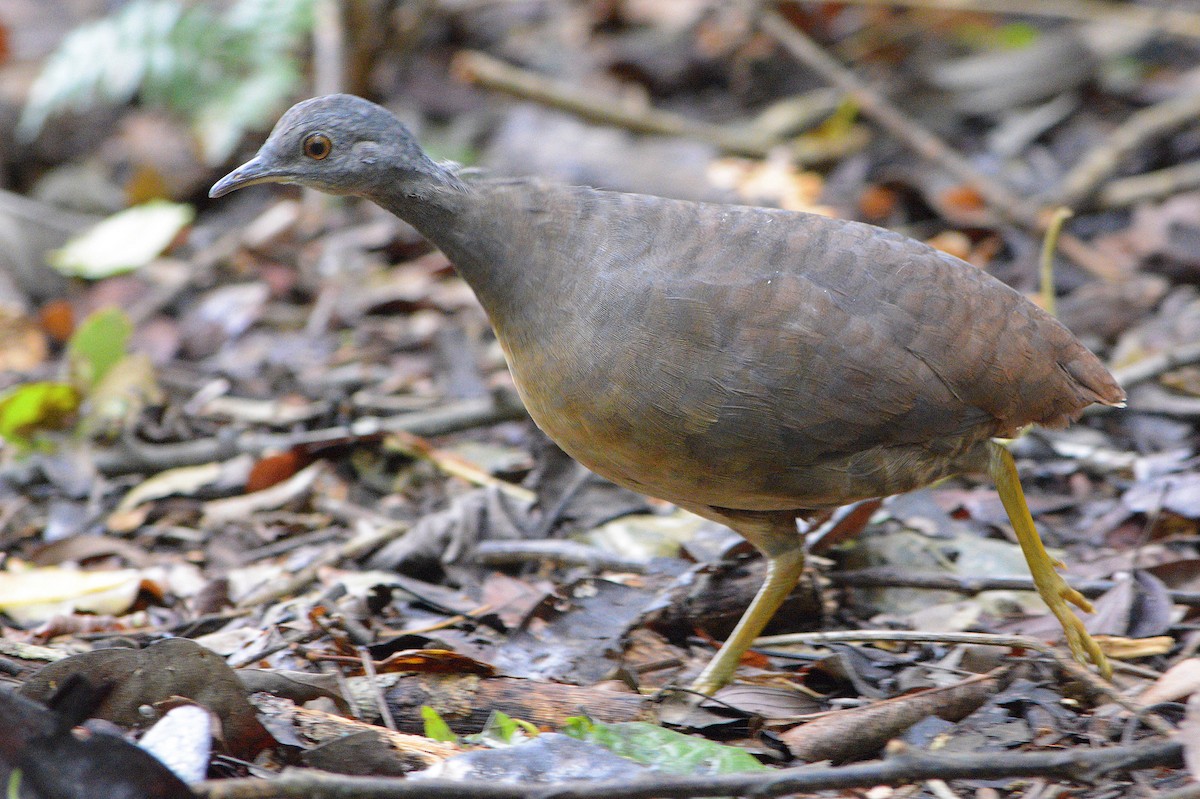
(1049,245)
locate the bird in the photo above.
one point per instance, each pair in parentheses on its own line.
(754,366)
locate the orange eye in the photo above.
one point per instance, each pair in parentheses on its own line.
(317,146)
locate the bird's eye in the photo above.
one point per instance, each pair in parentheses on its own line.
(317,146)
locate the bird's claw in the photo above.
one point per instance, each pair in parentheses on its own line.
(1082,645)
(1075,598)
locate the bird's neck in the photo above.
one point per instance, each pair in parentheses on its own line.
(428,196)
(429,206)
(474,228)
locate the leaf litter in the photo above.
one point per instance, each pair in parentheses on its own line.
(309,448)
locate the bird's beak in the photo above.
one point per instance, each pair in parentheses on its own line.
(253,171)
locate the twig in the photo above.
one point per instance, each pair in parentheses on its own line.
(1106,689)
(1170,21)
(1097,165)
(1152,366)
(132,456)
(369,537)
(381,705)
(1124,192)
(1095,683)
(902,766)
(1156,399)
(1006,202)
(888,578)
(478,68)
(453,464)
(903,636)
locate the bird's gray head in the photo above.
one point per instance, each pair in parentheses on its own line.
(339,144)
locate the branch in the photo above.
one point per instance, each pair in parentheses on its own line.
(903,766)
(1094,682)
(889,578)
(481,69)
(1098,164)
(1124,192)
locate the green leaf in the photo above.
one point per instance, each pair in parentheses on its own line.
(182,57)
(34,406)
(124,241)
(104,62)
(502,729)
(1014,36)
(1018,36)
(221,124)
(116,401)
(436,727)
(662,749)
(97,345)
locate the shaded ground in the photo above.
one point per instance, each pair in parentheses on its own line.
(313,504)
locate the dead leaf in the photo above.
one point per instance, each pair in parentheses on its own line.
(1182,679)
(434,661)
(767,701)
(1189,733)
(219,511)
(22,344)
(1177,493)
(845,734)
(185,481)
(32,596)
(45,757)
(1121,648)
(466,702)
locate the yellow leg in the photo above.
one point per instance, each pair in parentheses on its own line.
(784,568)
(1050,584)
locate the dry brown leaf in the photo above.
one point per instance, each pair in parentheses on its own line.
(218,511)
(1189,733)
(22,344)
(1179,681)
(1121,648)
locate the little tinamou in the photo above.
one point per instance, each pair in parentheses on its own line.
(748,364)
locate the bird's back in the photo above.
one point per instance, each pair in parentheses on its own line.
(752,358)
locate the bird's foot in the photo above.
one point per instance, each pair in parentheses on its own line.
(1056,593)
(1049,583)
